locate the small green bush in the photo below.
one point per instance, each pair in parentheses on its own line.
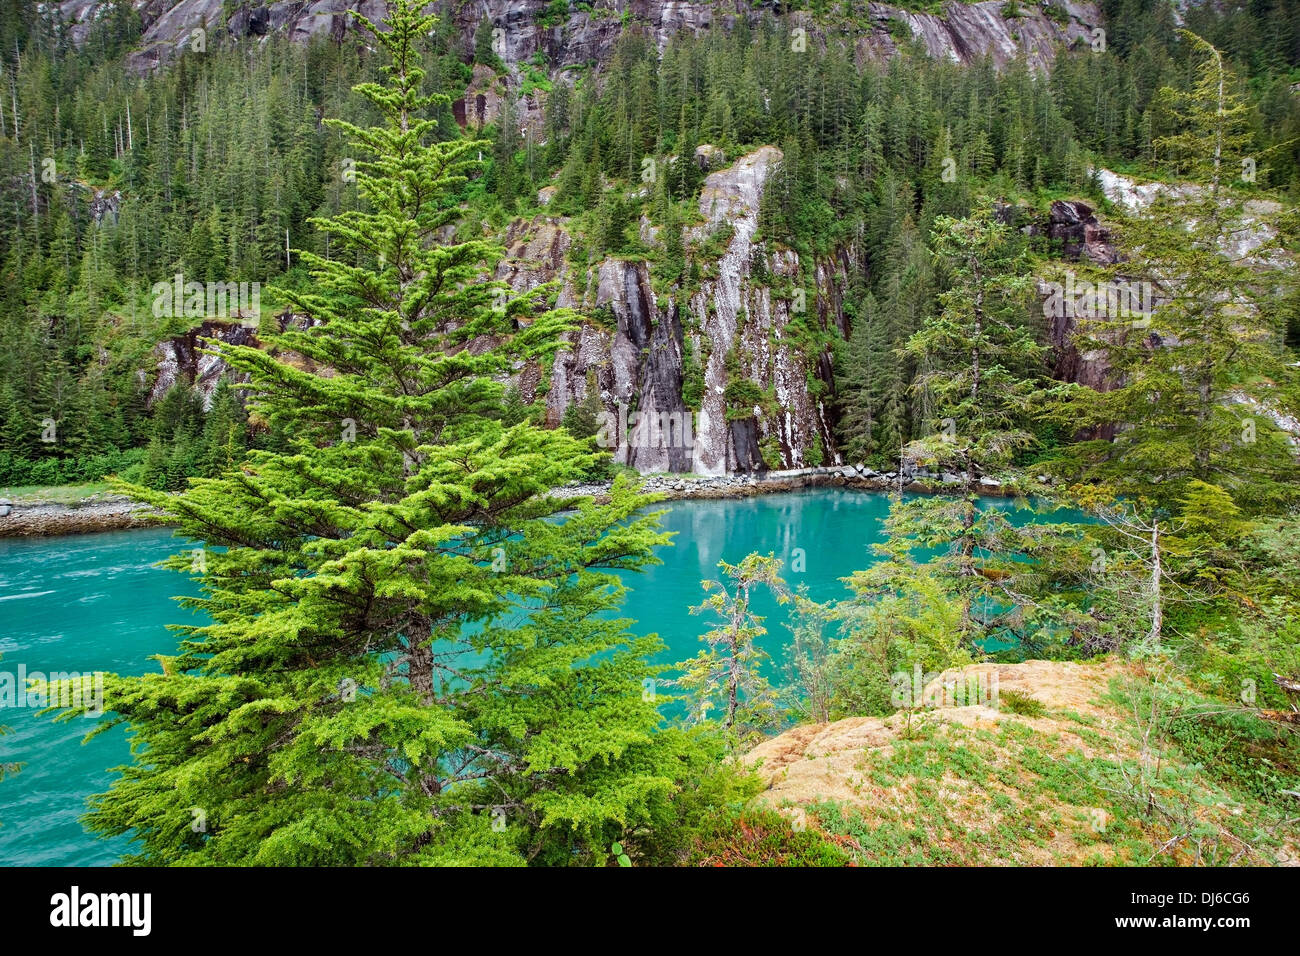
(1239,748)
(1018,702)
(760,837)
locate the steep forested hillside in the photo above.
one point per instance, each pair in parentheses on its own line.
(120,173)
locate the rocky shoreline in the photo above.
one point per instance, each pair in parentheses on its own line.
(111,513)
(47,519)
(857,477)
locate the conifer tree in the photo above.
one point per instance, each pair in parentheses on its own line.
(980,366)
(505,174)
(684,172)
(411,656)
(727,675)
(582,419)
(224,429)
(862,382)
(1188,325)
(979,360)
(484,47)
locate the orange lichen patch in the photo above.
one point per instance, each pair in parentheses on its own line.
(1050,769)
(820,762)
(965,783)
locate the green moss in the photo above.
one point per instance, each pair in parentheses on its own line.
(693,377)
(770,449)
(816,456)
(1055,13)
(535,77)
(715,244)
(1017,702)
(555,13)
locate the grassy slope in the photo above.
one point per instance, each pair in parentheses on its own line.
(1075,781)
(56,494)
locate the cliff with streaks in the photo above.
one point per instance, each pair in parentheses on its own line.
(962,32)
(749,319)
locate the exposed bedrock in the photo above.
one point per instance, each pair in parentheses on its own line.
(961,32)
(636,350)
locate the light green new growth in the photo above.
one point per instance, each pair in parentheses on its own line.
(411,657)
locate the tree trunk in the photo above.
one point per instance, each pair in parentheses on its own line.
(975,370)
(419,656)
(967,566)
(1203,393)
(733,677)
(1157,608)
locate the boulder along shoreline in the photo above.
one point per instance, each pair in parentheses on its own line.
(47,519)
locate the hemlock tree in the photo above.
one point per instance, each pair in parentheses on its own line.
(875,417)
(1197,376)
(411,658)
(726,676)
(978,358)
(903,615)
(864,381)
(980,367)
(809,663)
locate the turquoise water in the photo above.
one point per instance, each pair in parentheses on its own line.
(96,603)
(834,530)
(83,603)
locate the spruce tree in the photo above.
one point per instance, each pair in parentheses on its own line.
(484,48)
(1188,325)
(980,366)
(505,173)
(980,362)
(224,430)
(726,677)
(860,383)
(411,655)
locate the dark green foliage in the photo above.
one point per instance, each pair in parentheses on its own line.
(1260,756)
(214,159)
(513,409)
(484,48)
(742,393)
(413,654)
(1175,410)
(693,376)
(582,419)
(15,471)
(1018,702)
(222,153)
(1232,743)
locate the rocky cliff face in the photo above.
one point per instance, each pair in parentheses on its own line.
(1076,227)
(1084,238)
(182,359)
(735,325)
(962,32)
(636,359)
(744,316)
(641,346)
(636,354)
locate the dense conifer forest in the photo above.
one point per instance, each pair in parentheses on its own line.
(112,182)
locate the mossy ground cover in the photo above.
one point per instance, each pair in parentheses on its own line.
(1100,783)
